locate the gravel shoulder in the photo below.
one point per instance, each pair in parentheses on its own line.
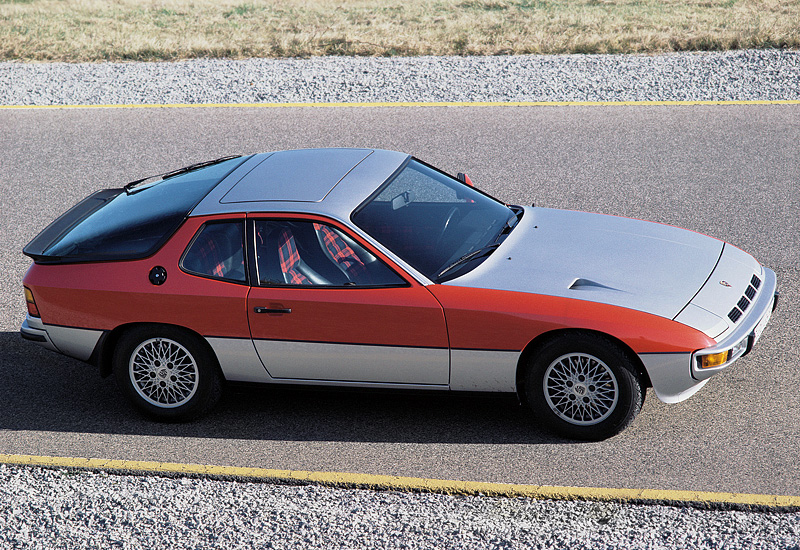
(48,509)
(722,76)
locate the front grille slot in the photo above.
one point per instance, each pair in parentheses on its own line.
(734,314)
(744,302)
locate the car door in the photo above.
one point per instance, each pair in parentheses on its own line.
(324,307)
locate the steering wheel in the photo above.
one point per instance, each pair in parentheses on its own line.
(454,215)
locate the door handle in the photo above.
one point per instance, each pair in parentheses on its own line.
(279,311)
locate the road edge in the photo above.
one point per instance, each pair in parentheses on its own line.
(412,104)
(695,499)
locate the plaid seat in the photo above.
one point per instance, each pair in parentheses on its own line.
(341,253)
(209,257)
(290,259)
(217,252)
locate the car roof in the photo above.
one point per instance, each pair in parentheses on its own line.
(330,182)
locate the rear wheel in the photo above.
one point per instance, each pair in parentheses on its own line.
(167,373)
(584,386)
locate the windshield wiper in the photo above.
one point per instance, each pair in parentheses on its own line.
(129,187)
(467,257)
(511,222)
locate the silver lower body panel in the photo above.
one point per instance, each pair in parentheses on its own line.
(365,366)
(354,363)
(478,370)
(671,375)
(74,342)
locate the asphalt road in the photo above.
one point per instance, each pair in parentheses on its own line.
(729,171)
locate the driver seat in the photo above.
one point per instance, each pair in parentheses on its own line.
(295,271)
(340,253)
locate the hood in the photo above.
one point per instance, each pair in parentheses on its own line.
(629,263)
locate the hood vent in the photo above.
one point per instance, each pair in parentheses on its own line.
(587,284)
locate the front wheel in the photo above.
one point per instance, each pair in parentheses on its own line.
(583,386)
(166,373)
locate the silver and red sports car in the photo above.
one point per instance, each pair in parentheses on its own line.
(370,268)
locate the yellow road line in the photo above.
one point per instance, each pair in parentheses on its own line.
(410,104)
(413,484)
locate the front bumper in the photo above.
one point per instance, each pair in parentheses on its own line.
(741,341)
(671,379)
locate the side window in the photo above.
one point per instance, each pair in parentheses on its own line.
(217,251)
(308,253)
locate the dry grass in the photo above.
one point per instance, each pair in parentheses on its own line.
(91,30)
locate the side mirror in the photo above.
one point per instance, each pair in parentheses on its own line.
(463,178)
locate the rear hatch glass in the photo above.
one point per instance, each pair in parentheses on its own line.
(127,223)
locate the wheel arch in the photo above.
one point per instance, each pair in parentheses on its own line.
(535,344)
(103,355)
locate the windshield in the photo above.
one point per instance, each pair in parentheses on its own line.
(433,221)
(135,223)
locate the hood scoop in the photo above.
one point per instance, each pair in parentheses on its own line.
(588,284)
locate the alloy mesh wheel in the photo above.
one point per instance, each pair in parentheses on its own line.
(580,389)
(163,372)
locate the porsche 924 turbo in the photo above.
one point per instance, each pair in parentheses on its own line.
(370,268)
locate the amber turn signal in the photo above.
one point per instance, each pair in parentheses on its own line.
(714,359)
(33,311)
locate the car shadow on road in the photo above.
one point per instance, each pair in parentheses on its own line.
(44,391)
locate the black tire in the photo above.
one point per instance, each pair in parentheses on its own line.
(167,373)
(583,386)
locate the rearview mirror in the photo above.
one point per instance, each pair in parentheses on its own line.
(402,200)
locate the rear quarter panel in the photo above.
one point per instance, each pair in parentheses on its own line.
(105,295)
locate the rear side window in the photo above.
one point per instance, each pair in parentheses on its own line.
(217,252)
(135,223)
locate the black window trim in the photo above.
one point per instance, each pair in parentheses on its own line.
(197,234)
